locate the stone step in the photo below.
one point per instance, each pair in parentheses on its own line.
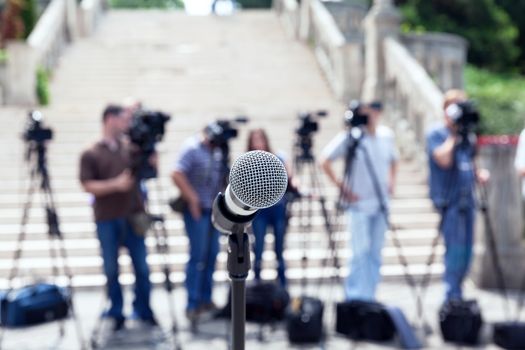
(85,244)
(79,206)
(389,273)
(292,255)
(400,221)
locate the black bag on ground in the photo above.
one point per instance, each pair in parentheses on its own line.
(364,320)
(460,321)
(266,302)
(33,304)
(510,335)
(304,320)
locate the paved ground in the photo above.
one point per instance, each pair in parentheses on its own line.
(213,333)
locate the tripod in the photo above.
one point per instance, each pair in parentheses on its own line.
(304,164)
(160,233)
(39,181)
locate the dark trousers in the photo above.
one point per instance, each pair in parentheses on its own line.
(112,234)
(204,247)
(458,232)
(276,218)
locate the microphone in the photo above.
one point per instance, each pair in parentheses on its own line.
(257,180)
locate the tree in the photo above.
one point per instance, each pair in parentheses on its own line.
(29,15)
(487,27)
(516,11)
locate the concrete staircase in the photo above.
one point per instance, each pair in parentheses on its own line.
(196,69)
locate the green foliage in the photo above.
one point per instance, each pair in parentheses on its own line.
(29,16)
(516,11)
(500,98)
(255,4)
(163,4)
(3,56)
(487,27)
(42,86)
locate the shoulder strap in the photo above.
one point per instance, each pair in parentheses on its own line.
(406,335)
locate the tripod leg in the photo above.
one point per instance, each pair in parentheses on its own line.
(57,248)
(21,238)
(163,249)
(316,184)
(304,228)
(162,240)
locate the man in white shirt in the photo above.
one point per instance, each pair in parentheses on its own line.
(366,220)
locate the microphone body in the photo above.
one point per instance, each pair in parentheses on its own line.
(258,180)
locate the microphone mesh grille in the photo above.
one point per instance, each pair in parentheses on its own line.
(258,179)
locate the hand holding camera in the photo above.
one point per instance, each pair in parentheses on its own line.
(124,182)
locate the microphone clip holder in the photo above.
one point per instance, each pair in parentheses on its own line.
(238,264)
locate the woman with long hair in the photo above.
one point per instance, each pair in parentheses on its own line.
(274,216)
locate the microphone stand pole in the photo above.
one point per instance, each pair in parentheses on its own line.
(238,268)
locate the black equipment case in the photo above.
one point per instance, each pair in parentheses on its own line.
(304,320)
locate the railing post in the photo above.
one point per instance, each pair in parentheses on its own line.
(20,74)
(72,20)
(505,210)
(304,21)
(382,21)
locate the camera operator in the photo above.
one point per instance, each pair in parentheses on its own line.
(366,221)
(199,174)
(451,152)
(105,173)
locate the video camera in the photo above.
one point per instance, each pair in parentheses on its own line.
(34,131)
(309,123)
(147,128)
(222,130)
(355,116)
(465,116)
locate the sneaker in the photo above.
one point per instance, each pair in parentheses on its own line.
(118,323)
(209,307)
(193,315)
(150,322)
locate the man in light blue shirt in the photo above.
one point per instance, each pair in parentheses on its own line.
(452,181)
(366,219)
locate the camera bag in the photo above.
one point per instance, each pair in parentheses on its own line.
(304,320)
(33,304)
(509,335)
(460,321)
(364,320)
(266,302)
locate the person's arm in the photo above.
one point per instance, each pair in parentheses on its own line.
(393,177)
(99,188)
(187,192)
(326,165)
(444,154)
(337,148)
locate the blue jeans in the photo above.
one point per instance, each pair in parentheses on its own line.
(276,217)
(367,238)
(204,247)
(112,234)
(457,230)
